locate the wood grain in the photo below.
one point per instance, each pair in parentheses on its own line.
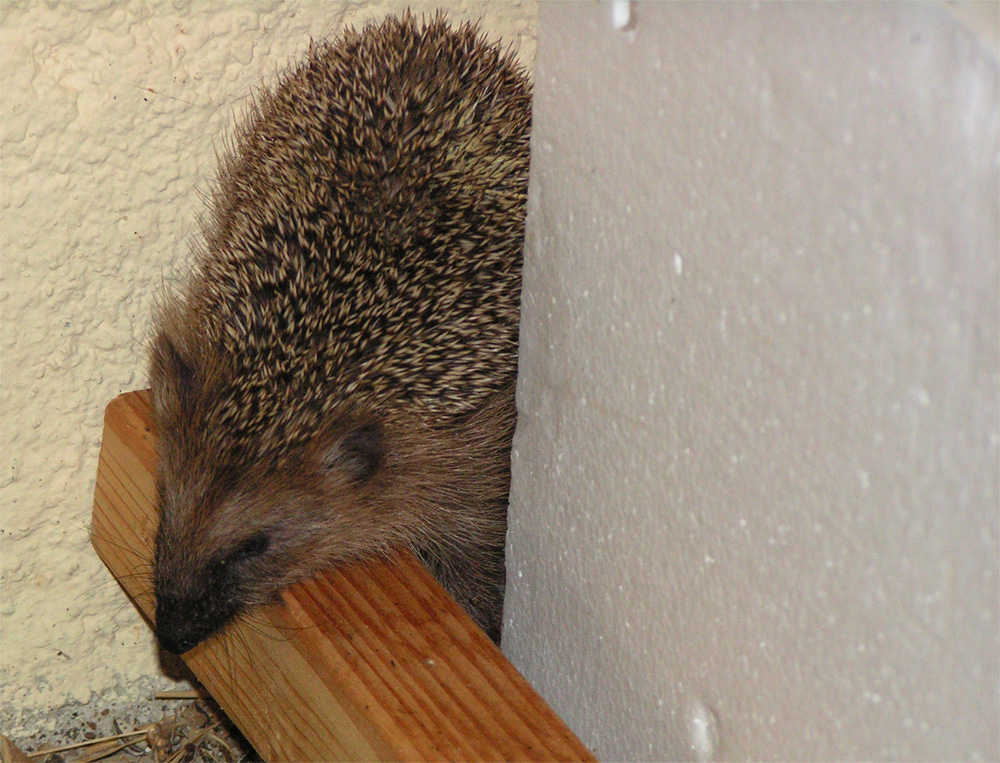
(372,661)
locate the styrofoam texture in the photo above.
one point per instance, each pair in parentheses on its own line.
(754,508)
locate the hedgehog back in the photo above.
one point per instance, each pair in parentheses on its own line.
(364,240)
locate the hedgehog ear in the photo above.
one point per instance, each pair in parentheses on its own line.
(176,375)
(359,452)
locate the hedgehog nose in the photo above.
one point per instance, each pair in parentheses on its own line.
(176,644)
(178,629)
(178,637)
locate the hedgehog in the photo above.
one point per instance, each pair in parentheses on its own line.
(335,376)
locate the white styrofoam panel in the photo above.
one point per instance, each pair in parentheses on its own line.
(112,113)
(754,508)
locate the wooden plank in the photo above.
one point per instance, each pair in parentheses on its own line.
(373,661)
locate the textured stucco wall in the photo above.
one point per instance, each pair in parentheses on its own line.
(754,511)
(112,112)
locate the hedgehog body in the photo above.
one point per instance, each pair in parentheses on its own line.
(336,376)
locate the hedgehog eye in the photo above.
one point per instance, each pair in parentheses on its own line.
(252,547)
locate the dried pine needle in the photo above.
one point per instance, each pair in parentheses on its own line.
(104,753)
(91,742)
(183,748)
(188,694)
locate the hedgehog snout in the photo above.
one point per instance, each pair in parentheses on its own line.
(182,624)
(193,605)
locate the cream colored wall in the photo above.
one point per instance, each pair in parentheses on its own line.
(111,114)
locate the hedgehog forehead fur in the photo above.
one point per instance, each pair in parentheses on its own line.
(363,242)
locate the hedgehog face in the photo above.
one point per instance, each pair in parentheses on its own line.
(234,532)
(229,542)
